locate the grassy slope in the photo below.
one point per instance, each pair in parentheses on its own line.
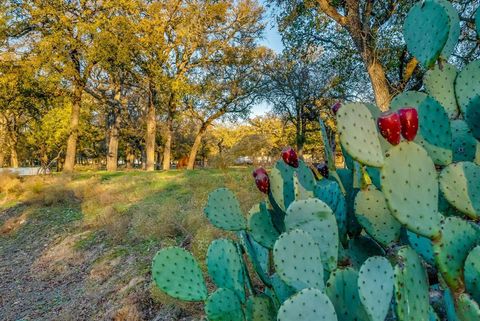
(80,247)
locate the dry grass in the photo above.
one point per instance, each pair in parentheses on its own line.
(123,218)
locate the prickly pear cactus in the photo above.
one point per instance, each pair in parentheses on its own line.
(472,273)
(316,218)
(409,182)
(375,286)
(323,249)
(426,31)
(223,210)
(343,291)
(223,305)
(298,261)
(411,287)
(460,183)
(374,215)
(358,134)
(178,274)
(307,305)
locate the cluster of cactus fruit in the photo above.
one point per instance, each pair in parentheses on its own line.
(392,235)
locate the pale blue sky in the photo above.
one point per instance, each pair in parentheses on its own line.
(273,40)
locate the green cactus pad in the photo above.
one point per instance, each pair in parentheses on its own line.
(434,132)
(223,210)
(440,84)
(261,227)
(307,305)
(358,134)
(315,217)
(464,146)
(409,182)
(301,193)
(343,291)
(224,305)
(425,31)
(451,250)
(472,273)
(282,182)
(422,245)
(329,192)
(467,84)
(225,266)
(282,290)
(454,32)
(257,254)
(411,287)
(260,308)
(373,214)
(361,248)
(467,308)
(298,260)
(472,116)
(460,184)
(375,286)
(177,273)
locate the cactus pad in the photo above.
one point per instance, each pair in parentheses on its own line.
(329,192)
(297,260)
(361,248)
(411,287)
(307,305)
(373,214)
(454,32)
(358,134)
(282,290)
(257,254)
(477,22)
(260,308)
(422,246)
(176,273)
(467,308)
(223,305)
(472,116)
(315,217)
(425,31)
(261,227)
(464,146)
(343,291)
(225,266)
(375,285)
(440,84)
(223,210)
(472,273)
(434,132)
(467,84)
(409,182)
(282,182)
(460,183)
(451,250)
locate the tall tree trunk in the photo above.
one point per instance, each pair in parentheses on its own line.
(151,133)
(130,157)
(72,138)
(13,156)
(167,151)
(196,146)
(2,157)
(112,156)
(381,87)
